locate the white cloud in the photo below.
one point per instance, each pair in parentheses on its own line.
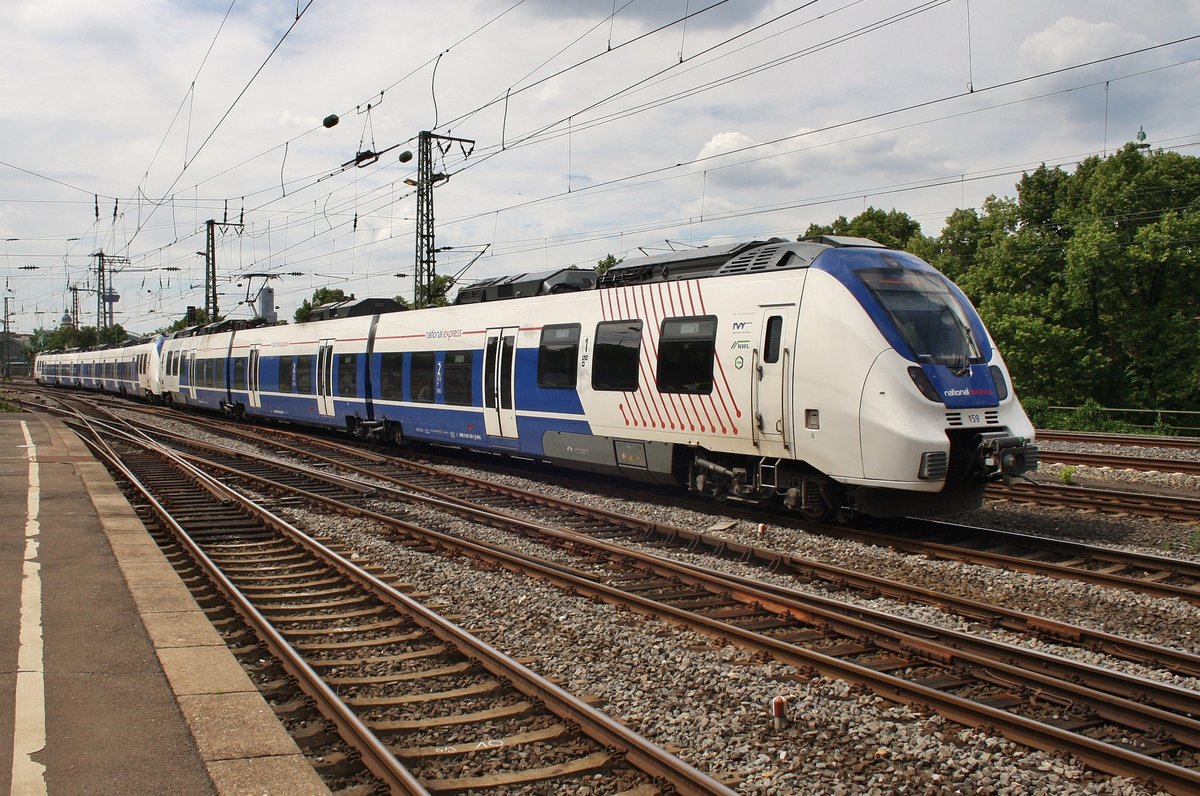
(93,90)
(1071,40)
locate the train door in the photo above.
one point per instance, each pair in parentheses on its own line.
(191,374)
(325,378)
(252,378)
(499,364)
(774,372)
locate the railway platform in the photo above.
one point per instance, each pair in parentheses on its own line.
(112,680)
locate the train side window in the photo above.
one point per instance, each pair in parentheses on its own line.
(239,373)
(287,374)
(304,374)
(686,351)
(421,367)
(391,376)
(457,386)
(615,365)
(347,374)
(773,339)
(558,356)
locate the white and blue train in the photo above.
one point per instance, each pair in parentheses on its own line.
(830,374)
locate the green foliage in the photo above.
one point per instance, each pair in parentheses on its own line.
(1066,474)
(439,292)
(892,228)
(1087,281)
(608,262)
(320,296)
(66,338)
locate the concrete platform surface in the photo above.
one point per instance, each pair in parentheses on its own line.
(112,681)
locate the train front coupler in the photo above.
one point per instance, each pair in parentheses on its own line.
(1004,456)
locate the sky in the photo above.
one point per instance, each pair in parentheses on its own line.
(588,127)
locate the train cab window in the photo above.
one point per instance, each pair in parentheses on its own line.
(686,352)
(391,376)
(772,339)
(615,365)
(421,373)
(558,356)
(458,368)
(347,374)
(304,374)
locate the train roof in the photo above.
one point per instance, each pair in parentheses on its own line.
(354,308)
(747,257)
(729,259)
(539,283)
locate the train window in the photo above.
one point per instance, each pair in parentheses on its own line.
(304,374)
(772,339)
(347,374)
(558,356)
(391,376)
(489,373)
(926,312)
(686,351)
(239,373)
(287,374)
(421,372)
(615,365)
(457,386)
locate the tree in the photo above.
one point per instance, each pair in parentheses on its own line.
(892,228)
(320,297)
(1087,280)
(608,262)
(439,292)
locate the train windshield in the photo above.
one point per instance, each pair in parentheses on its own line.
(926,313)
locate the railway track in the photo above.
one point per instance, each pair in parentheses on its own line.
(1156,576)
(1113,461)
(1032,698)
(427,707)
(1131,440)
(1182,508)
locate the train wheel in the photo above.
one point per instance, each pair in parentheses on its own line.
(816,513)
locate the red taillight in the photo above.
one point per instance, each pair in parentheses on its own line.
(924,384)
(1001,383)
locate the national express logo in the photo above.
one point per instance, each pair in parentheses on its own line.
(962,392)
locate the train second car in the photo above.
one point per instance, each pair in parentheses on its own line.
(832,375)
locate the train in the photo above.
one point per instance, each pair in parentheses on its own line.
(831,375)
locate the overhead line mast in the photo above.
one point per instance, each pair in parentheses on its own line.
(426,265)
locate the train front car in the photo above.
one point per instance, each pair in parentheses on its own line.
(937,416)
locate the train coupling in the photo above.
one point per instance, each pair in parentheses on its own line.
(1007,456)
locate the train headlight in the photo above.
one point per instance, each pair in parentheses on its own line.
(1001,383)
(924,384)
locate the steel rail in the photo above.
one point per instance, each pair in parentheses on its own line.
(375,755)
(1180,662)
(648,757)
(1130,440)
(1185,466)
(1116,709)
(1146,504)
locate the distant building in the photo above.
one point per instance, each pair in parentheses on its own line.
(14,354)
